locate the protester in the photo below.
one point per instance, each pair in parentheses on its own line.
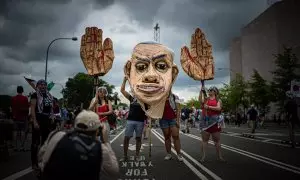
(135,123)
(57,113)
(186,116)
(20,110)
(79,155)
(102,106)
(42,117)
(170,124)
(209,124)
(252,113)
(291,109)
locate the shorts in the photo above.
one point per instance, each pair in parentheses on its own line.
(134,126)
(213,129)
(167,123)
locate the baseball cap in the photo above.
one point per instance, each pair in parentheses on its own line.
(87,121)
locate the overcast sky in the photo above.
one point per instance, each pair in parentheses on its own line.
(27,27)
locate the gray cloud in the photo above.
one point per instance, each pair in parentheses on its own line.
(221,20)
(27,27)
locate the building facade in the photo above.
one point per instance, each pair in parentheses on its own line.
(264,37)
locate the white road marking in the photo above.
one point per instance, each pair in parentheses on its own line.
(266,160)
(29,169)
(279,144)
(267,140)
(189,165)
(213,175)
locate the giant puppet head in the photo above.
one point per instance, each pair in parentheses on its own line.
(151,73)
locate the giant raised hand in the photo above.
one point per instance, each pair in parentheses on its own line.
(198,62)
(97,58)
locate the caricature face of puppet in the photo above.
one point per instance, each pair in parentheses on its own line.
(152,72)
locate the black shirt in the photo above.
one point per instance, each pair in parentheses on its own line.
(136,113)
(253,114)
(186,113)
(47,104)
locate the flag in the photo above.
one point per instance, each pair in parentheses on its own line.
(50,86)
(31,82)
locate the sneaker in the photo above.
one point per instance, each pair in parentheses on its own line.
(179,157)
(168,157)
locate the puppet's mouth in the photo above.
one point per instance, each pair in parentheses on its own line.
(149,88)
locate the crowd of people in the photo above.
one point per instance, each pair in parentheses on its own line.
(79,148)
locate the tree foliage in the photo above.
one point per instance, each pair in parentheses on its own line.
(80,89)
(260,92)
(238,92)
(286,70)
(224,97)
(193,102)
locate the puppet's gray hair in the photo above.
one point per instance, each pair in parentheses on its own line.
(153,42)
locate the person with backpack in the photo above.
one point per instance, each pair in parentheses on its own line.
(170,124)
(79,154)
(103,107)
(135,123)
(211,119)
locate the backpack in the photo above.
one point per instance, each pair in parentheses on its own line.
(75,156)
(173,100)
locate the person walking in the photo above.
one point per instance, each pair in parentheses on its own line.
(170,124)
(291,109)
(135,123)
(252,113)
(210,122)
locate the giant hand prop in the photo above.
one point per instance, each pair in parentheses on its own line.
(198,62)
(97,58)
(151,73)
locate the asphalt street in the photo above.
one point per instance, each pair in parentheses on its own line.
(262,157)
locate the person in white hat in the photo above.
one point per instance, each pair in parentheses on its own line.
(79,154)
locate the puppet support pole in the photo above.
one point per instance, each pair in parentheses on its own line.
(150,138)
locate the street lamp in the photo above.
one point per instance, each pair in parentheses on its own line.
(46,69)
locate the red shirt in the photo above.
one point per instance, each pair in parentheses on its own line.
(169,113)
(103,108)
(20,107)
(211,102)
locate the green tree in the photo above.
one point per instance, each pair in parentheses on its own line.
(286,67)
(237,95)
(260,92)
(224,97)
(193,102)
(80,89)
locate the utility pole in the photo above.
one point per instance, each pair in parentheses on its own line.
(157,33)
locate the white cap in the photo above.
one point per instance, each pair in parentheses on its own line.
(88,118)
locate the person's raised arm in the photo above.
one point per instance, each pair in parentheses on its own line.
(94,102)
(123,91)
